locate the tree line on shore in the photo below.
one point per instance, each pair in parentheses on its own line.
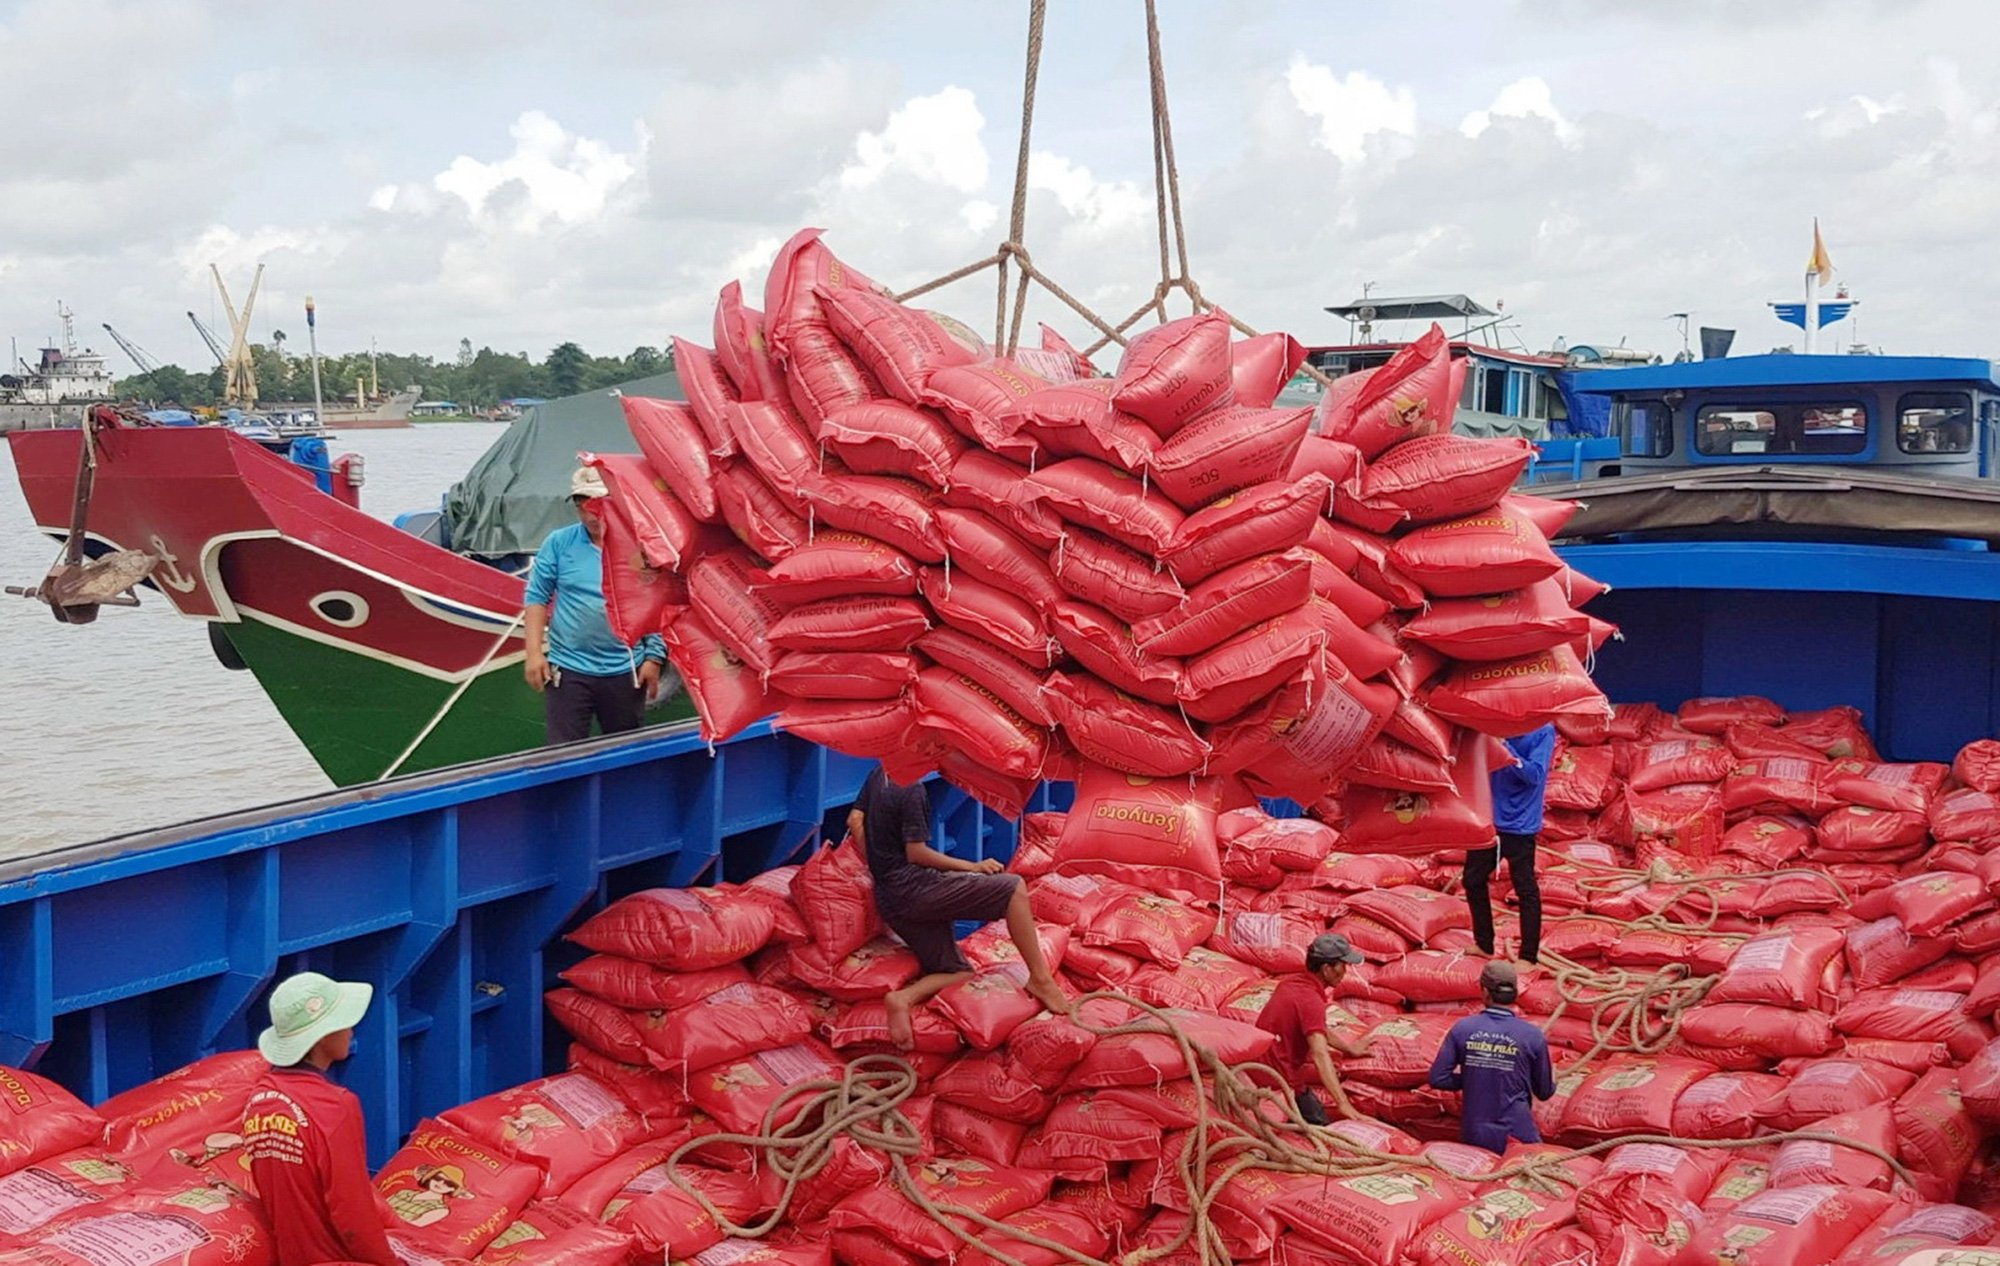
(475,380)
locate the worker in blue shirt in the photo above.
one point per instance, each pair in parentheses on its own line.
(1518,790)
(1499,1061)
(573,657)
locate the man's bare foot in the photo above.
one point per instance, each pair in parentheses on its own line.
(900,1030)
(1046,991)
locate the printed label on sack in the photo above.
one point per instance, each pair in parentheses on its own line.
(1802,1155)
(129,1239)
(1646,1158)
(1927,1000)
(1788,769)
(1766,953)
(582,1100)
(1893,775)
(1335,729)
(1869,935)
(1257,930)
(1671,750)
(1070,885)
(1830,1075)
(1949,1221)
(794,1063)
(1709,1090)
(33,1196)
(740,994)
(1588,852)
(677,899)
(648,1181)
(1789,1205)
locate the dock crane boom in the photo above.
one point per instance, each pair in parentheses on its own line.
(138,354)
(208,337)
(239,370)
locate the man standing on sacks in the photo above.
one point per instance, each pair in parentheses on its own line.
(921,893)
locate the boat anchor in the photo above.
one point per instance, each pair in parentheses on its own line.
(76,588)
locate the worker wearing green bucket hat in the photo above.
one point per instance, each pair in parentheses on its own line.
(303,1136)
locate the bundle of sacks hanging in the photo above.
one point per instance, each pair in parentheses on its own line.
(1006,569)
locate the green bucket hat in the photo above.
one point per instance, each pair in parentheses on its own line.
(307,1007)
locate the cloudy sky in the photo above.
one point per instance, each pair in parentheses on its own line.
(520,172)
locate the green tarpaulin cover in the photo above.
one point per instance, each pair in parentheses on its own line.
(517,492)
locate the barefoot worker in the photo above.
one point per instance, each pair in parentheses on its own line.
(922,892)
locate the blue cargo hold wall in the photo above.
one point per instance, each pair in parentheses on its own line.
(1909,636)
(447,891)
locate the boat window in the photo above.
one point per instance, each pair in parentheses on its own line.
(1496,390)
(1817,430)
(1468,396)
(1646,425)
(1934,422)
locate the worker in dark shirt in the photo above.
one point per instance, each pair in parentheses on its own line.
(302,1134)
(1499,1060)
(921,892)
(1518,792)
(1297,1014)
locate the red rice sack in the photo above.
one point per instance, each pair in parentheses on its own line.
(1580,778)
(1226,604)
(1936,1135)
(1419,913)
(569,1125)
(1883,952)
(1150,1058)
(668,1223)
(1979,1085)
(1755,742)
(1791,1227)
(1904,1015)
(609,1030)
(1514,696)
(728,691)
(1205,981)
(835,894)
(1410,823)
(1508,625)
(1782,968)
(1486,553)
(1631,1096)
(989,613)
(1774,1032)
(1226,450)
(757,515)
(550,1234)
(999,672)
(1929,904)
(1896,788)
(1436,477)
(1103,644)
(1123,733)
(1645,1199)
(1854,828)
(1672,761)
(1495,1229)
(1264,518)
(1107,500)
(990,552)
(1827,1087)
(1903,1238)
(188,1224)
(1715,714)
(727,1025)
(643,987)
(1967,816)
(740,347)
(1177,372)
(720,590)
(1978,765)
(1124,582)
(57,1188)
(738,1095)
(869,622)
(1803,1162)
(775,443)
(1432,976)
(1260,366)
(993,1191)
(867,972)
(180,1109)
(1400,1051)
(453,1193)
(664,530)
(901,347)
(844,674)
(40,1120)
(710,393)
(678,927)
(1374,1218)
(991,1083)
(1685,819)
(983,481)
(896,510)
(1769,841)
(1410,395)
(1777,786)
(1721,1106)
(1274,940)
(1141,830)
(1154,927)
(980,724)
(1835,732)
(673,442)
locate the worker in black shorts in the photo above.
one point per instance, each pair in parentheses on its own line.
(922,892)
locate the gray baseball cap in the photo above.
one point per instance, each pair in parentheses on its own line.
(1331,947)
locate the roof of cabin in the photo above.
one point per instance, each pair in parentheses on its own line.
(1782,370)
(1415,308)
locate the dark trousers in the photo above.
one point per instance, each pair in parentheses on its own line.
(575,699)
(1310,1107)
(1519,850)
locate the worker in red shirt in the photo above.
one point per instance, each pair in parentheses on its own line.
(1297,1014)
(302,1134)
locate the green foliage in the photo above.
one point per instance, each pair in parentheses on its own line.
(478,379)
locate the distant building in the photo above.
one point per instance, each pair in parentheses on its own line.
(434,408)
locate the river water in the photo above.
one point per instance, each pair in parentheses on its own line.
(130,723)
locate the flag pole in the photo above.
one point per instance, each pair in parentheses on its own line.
(312,340)
(1812,311)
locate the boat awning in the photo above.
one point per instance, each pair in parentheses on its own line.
(1413,308)
(1826,498)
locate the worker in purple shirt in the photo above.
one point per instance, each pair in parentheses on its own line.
(1499,1061)
(1518,791)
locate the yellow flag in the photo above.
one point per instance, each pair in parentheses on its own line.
(1821,262)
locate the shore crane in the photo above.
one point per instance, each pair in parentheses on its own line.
(208,337)
(138,354)
(239,370)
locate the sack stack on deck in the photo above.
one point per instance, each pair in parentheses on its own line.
(1004,568)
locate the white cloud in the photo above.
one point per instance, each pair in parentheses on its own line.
(933,138)
(1352,110)
(1103,203)
(557,174)
(1527,98)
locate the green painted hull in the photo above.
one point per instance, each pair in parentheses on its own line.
(356,713)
